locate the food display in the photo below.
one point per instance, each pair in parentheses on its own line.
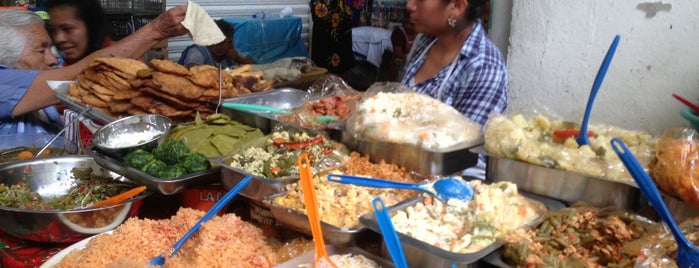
(274,156)
(580,237)
(341,204)
(169,160)
(221,241)
(548,142)
(87,188)
(412,118)
(468,226)
(348,260)
(674,170)
(120,86)
(215,136)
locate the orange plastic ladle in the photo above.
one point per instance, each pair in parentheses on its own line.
(118,199)
(309,197)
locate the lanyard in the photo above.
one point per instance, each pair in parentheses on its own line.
(452,66)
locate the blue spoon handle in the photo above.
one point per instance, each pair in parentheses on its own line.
(582,138)
(371,182)
(212,212)
(647,187)
(389,234)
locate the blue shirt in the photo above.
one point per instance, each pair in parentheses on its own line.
(476,86)
(13,86)
(199,55)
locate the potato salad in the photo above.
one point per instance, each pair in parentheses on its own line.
(551,143)
(468,226)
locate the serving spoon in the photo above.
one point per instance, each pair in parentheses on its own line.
(687,253)
(160,259)
(583,138)
(261,108)
(309,198)
(689,104)
(389,234)
(442,188)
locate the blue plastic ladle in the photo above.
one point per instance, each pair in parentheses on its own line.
(583,138)
(389,234)
(160,259)
(687,253)
(443,188)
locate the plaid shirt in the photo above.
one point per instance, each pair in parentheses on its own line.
(477,85)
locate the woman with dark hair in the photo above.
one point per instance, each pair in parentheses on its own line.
(77,28)
(454,61)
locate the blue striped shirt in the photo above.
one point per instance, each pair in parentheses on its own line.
(477,85)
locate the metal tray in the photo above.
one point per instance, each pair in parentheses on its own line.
(166,187)
(60,89)
(283,98)
(309,257)
(571,187)
(421,254)
(258,188)
(426,162)
(332,234)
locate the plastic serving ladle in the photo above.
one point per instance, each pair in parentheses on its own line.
(160,259)
(583,138)
(443,188)
(309,198)
(267,109)
(687,253)
(389,234)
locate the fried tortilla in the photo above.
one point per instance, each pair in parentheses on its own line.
(172,99)
(121,66)
(171,67)
(177,85)
(93,100)
(120,106)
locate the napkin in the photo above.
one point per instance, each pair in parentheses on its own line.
(201,26)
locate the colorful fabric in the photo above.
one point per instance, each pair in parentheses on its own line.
(477,85)
(332,35)
(13,85)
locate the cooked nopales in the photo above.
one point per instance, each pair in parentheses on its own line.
(121,87)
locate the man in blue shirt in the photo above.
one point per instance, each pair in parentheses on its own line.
(26,63)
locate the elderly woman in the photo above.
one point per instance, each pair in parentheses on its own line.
(26,61)
(454,61)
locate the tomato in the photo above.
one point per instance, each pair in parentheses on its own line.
(561,135)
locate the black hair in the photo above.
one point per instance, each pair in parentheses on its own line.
(475,9)
(90,12)
(225,27)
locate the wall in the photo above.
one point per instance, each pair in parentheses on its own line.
(241,8)
(556,47)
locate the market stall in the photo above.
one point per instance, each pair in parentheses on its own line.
(205,131)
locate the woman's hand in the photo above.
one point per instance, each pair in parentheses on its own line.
(169,24)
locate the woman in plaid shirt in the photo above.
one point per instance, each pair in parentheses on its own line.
(454,61)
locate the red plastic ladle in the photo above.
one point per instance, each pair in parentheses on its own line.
(694,107)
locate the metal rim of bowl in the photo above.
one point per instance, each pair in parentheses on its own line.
(96,137)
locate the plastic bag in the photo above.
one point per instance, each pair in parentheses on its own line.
(660,248)
(393,113)
(329,96)
(539,136)
(674,170)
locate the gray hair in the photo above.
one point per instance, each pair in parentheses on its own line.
(13,24)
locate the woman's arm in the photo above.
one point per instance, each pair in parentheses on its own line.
(39,95)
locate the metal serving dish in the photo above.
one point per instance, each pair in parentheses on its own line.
(571,187)
(309,257)
(60,89)
(423,161)
(421,254)
(51,177)
(346,237)
(258,188)
(163,186)
(283,98)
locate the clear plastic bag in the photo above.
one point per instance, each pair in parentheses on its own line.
(674,169)
(390,112)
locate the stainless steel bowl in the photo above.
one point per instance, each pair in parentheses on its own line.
(50,177)
(11,145)
(145,131)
